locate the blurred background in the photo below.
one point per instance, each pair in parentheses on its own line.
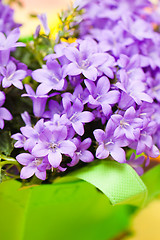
(31,8)
(144,224)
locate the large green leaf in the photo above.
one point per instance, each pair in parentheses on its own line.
(71,210)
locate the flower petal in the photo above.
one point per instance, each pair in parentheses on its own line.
(86,156)
(118,154)
(72,69)
(90,73)
(67,147)
(27,172)
(25,158)
(40,175)
(101,152)
(78,127)
(55,158)
(5,114)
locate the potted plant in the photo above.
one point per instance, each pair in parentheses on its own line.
(81,121)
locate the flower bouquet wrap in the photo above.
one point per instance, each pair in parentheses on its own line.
(79,120)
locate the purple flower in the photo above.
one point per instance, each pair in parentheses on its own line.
(32,134)
(54,108)
(139,28)
(50,77)
(79,93)
(152,152)
(112,40)
(20,140)
(130,76)
(154,87)
(11,40)
(80,3)
(59,121)
(43,18)
(7,19)
(108,144)
(4,113)
(39,100)
(59,53)
(145,142)
(76,116)
(100,115)
(75,80)
(85,60)
(10,75)
(53,144)
(37,31)
(136,163)
(107,66)
(81,152)
(26,118)
(33,165)
(129,86)
(149,54)
(128,125)
(101,96)
(7,44)
(126,101)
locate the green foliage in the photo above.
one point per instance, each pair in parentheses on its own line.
(69,22)
(6,147)
(6,143)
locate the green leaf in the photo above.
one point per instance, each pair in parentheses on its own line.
(6,143)
(119,182)
(0,174)
(71,210)
(26,39)
(152,180)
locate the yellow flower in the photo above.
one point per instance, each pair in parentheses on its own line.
(69,40)
(54,26)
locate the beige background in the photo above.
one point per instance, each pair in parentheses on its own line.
(50,7)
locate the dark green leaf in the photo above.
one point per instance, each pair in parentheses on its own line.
(6,143)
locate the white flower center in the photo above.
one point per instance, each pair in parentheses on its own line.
(38,161)
(53,146)
(10,77)
(85,64)
(109,143)
(123,124)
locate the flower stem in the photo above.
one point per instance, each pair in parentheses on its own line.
(8,160)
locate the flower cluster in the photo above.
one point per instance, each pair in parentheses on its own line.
(98,96)
(12,72)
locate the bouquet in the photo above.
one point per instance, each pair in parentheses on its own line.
(86,103)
